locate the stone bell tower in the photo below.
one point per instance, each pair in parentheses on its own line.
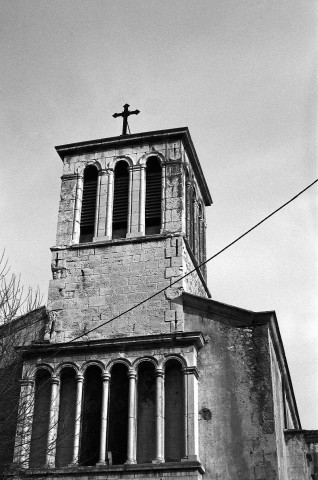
(131,222)
(114,384)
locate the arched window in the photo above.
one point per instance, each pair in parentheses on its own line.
(118,415)
(91,416)
(66,422)
(121,192)
(174,412)
(146,413)
(41,419)
(88,204)
(153,196)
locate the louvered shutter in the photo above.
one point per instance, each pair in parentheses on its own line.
(153,196)
(88,204)
(120,208)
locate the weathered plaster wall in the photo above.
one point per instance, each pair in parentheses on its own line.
(278,414)
(236,423)
(297,460)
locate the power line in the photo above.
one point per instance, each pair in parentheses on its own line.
(199,266)
(184,276)
(187,274)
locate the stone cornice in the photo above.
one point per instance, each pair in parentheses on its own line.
(157,136)
(152,470)
(117,344)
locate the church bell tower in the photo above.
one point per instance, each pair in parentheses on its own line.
(114,382)
(131,222)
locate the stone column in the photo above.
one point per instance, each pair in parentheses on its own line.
(142,200)
(137,202)
(78,208)
(24,424)
(163,197)
(132,440)
(110,200)
(103,430)
(101,207)
(160,416)
(78,413)
(54,408)
(191,414)
(130,190)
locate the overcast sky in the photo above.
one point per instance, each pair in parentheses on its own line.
(240,74)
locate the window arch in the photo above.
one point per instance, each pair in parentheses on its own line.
(121,200)
(153,196)
(87,223)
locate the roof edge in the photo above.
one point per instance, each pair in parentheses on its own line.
(249,318)
(182,132)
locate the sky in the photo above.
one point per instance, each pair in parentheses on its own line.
(241,75)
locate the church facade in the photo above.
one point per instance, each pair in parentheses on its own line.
(133,370)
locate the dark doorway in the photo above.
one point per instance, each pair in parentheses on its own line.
(41,419)
(91,419)
(174,412)
(66,425)
(146,413)
(118,414)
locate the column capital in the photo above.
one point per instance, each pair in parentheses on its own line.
(190,371)
(26,382)
(105,376)
(159,372)
(137,167)
(71,176)
(102,172)
(132,373)
(55,380)
(79,377)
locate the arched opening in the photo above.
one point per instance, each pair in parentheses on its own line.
(118,415)
(41,418)
(174,412)
(66,423)
(153,196)
(121,201)
(88,204)
(91,417)
(146,413)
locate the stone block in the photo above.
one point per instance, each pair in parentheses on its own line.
(170,316)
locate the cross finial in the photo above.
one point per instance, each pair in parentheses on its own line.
(125,114)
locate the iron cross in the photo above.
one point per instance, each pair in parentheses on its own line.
(125,114)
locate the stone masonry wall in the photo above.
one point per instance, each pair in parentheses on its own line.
(95,283)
